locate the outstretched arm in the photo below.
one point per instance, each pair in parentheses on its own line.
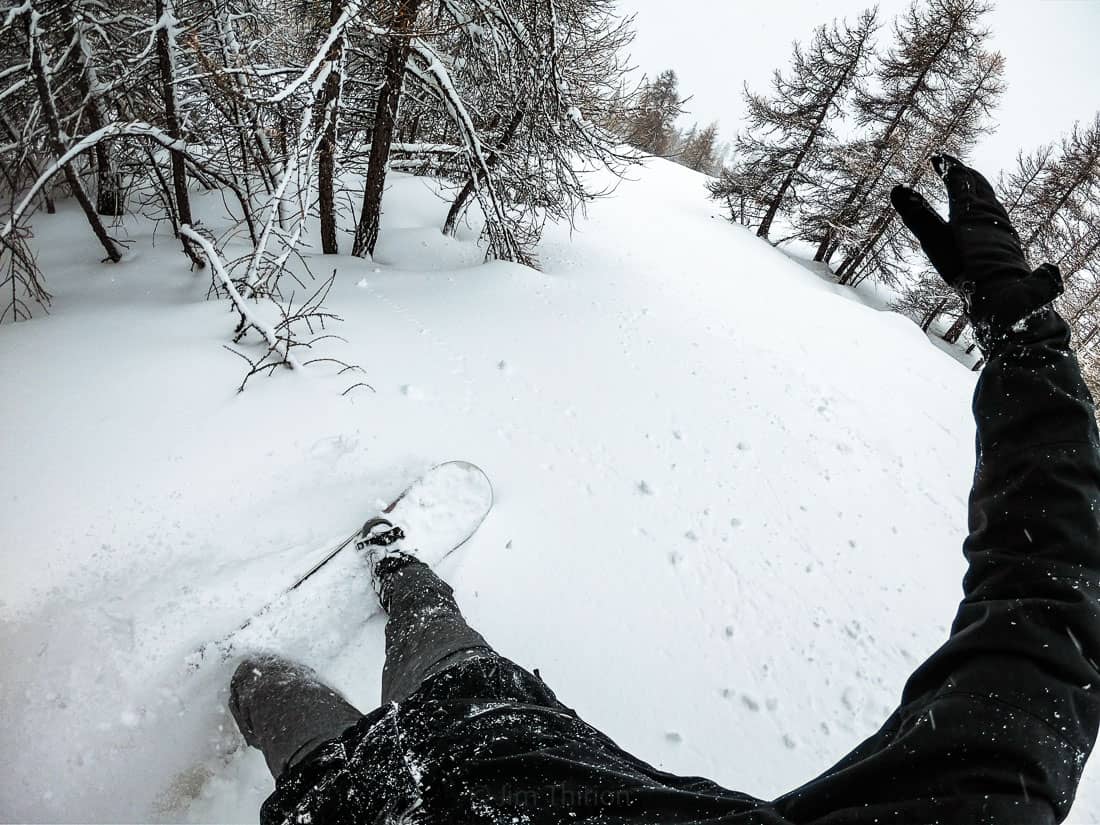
(997,724)
(1027,633)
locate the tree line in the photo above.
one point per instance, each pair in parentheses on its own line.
(651,125)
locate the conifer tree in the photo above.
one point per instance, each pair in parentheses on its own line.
(936,44)
(652,128)
(700,150)
(1055,191)
(788,129)
(953,122)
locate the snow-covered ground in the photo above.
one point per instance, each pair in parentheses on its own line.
(729,506)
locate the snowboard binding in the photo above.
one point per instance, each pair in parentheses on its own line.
(378,532)
(377,539)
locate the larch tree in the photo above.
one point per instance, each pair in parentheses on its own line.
(952,123)
(936,43)
(788,130)
(1059,190)
(652,125)
(700,150)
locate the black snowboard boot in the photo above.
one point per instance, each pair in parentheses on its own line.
(382,543)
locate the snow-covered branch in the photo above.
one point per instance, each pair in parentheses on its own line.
(239,302)
(114,130)
(429,68)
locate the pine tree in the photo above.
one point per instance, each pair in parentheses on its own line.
(1059,189)
(788,130)
(700,150)
(652,127)
(959,115)
(937,43)
(926,298)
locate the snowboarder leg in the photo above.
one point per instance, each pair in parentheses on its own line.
(285,710)
(425,632)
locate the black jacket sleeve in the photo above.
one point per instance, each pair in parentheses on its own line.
(996,725)
(1026,640)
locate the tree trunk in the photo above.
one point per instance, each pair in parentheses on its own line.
(827,248)
(952,335)
(777,201)
(854,261)
(108,183)
(931,316)
(166,62)
(773,207)
(57,141)
(329,111)
(385,118)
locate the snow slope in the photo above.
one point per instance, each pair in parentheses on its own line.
(729,499)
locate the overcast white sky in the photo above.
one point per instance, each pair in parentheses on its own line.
(715,46)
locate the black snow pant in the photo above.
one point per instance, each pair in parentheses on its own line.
(285,710)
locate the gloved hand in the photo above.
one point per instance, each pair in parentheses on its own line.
(978,252)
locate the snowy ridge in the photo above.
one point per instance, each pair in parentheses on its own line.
(729,500)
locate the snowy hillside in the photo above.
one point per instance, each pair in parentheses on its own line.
(730,499)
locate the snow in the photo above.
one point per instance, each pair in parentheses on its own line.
(729,500)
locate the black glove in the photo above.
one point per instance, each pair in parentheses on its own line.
(978,252)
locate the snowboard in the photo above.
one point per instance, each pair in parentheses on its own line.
(438,513)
